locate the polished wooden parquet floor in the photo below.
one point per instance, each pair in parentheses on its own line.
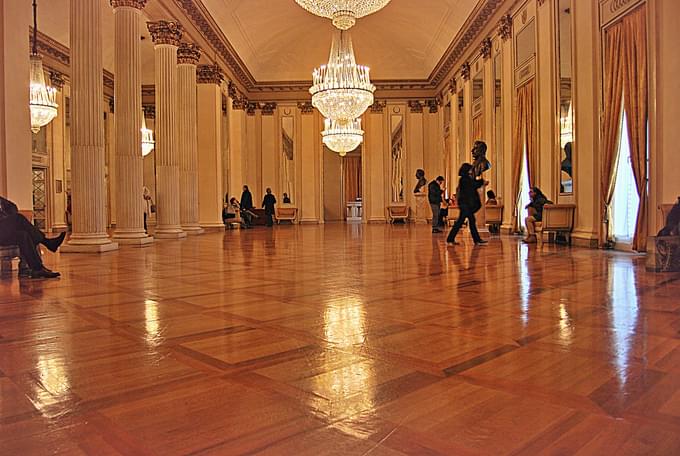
(341,339)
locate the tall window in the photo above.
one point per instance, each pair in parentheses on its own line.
(625,201)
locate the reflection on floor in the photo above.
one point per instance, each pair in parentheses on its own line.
(341,339)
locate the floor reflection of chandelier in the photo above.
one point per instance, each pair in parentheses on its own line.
(344,13)
(342,136)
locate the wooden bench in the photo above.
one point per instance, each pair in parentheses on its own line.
(557,218)
(286,213)
(7,253)
(398,212)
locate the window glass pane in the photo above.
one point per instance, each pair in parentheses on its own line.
(626,200)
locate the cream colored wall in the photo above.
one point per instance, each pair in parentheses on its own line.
(15,135)
(332,187)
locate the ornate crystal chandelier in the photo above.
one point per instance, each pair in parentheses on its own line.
(42,101)
(342,90)
(342,136)
(148,143)
(344,13)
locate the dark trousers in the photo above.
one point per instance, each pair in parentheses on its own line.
(145,222)
(436,221)
(470,216)
(17,230)
(270,219)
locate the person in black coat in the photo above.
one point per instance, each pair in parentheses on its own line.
(15,229)
(268,204)
(535,208)
(468,201)
(247,207)
(434,197)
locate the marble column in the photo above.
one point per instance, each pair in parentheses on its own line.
(87,131)
(166,36)
(187,59)
(128,109)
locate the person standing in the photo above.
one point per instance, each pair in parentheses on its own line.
(434,197)
(268,204)
(146,194)
(469,202)
(247,207)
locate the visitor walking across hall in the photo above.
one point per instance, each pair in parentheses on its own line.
(469,202)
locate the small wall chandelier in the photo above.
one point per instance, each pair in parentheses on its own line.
(42,101)
(342,136)
(148,144)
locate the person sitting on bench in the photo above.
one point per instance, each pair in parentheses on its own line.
(15,229)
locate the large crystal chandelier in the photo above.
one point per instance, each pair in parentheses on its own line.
(42,101)
(342,90)
(344,13)
(342,136)
(148,143)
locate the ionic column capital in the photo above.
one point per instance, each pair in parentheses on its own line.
(139,4)
(188,53)
(165,32)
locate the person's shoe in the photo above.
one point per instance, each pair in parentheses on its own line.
(529,240)
(481,242)
(43,273)
(435,230)
(54,243)
(23,273)
(452,242)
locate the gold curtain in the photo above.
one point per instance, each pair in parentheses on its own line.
(611,124)
(477,126)
(523,136)
(352,178)
(635,103)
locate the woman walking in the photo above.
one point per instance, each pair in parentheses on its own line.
(468,201)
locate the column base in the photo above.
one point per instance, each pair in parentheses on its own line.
(194,230)
(96,245)
(169,233)
(135,242)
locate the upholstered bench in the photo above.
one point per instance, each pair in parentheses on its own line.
(7,253)
(557,218)
(398,212)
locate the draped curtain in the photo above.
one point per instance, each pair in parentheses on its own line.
(352,178)
(626,86)
(523,137)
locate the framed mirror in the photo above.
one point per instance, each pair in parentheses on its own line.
(287,157)
(497,125)
(478,104)
(397,153)
(565,101)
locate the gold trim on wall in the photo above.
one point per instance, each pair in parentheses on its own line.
(612,10)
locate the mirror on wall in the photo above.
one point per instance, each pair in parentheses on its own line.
(397,142)
(565,104)
(498,124)
(287,169)
(477,105)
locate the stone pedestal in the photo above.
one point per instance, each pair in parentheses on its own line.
(166,36)
(187,59)
(423,211)
(480,216)
(87,131)
(128,108)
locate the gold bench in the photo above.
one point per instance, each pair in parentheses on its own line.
(557,218)
(286,213)
(398,212)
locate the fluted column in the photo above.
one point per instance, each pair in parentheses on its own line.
(166,36)
(128,108)
(87,131)
(187,59)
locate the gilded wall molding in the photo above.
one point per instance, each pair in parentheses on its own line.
(268,108)
(149,111)
(505,27)
(433,105)
(209,74)
(139,4)
(465,71)
(188,54)
(305,107)
(165,32)
(452,85)
(57,80)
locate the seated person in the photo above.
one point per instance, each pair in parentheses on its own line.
(672,226)
(228,212)
(246,216)
(15,229)
(535,207)
(286,198)
(491,200)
